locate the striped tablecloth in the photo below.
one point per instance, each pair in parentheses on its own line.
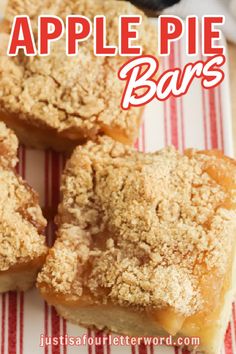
(201,119)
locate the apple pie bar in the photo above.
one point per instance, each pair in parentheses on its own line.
(60,101)
(22,245)
(146,242)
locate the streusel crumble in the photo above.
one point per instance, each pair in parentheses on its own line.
(22,245)
(145,242)
(61,100)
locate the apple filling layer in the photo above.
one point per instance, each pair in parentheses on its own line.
(145,242)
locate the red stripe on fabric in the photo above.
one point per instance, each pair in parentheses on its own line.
(55,186)
(204,118)
(99,348)
(234,317)
(203,98)
(176,350)
(108,347)
(136,144)
(185,351)
(22,299)
(151,349)
(165,111)
(228,340)
(133,349)
(173,104)
(64,324)
(46,325)
(165,124)
(174,127)
(18,156)
(21,322)
(12,322)
(46,202)
(142,349)
(89,334)
(55,324)
(213,122)
(3,323)
(46,190)
(55,176)
(181,100)
(221,119)
(46,177)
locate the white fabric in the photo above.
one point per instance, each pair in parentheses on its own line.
(209,7)
(233,7)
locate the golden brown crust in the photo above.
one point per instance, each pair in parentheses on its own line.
(141,230)
(80,96)
(21,219)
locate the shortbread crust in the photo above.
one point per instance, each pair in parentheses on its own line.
(22,245)
(71,98)
(152,234)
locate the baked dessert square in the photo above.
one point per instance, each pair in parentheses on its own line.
(59,101)
(146,242)
(22,244)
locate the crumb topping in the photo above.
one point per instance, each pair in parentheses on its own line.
(143,229)
(8,146)
(54,91)
(21,220)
